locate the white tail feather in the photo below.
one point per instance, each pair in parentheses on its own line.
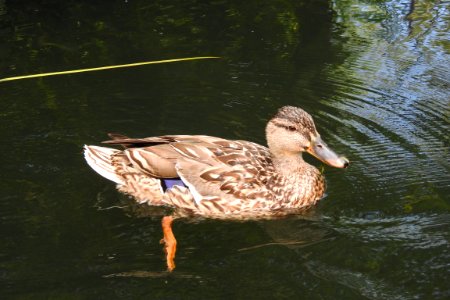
(99,159)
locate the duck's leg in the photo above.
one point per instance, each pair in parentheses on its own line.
(170,243)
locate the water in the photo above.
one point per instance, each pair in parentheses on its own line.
(374,74)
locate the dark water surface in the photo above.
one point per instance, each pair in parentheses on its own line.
(374,74)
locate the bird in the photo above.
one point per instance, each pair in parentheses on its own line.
(212,177)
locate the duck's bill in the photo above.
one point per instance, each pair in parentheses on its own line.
(321,151)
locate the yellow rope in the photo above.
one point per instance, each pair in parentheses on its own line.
(106,68)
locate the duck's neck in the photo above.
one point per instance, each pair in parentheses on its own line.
(288,163)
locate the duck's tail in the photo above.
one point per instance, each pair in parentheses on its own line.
(100,160)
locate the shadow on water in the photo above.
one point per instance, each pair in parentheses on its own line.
(373,74)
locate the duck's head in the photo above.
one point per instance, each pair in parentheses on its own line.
(292,131)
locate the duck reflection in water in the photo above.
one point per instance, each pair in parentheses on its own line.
(207,176)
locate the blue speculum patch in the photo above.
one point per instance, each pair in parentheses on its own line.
(169,183)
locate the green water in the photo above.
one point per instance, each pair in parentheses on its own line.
(374,75)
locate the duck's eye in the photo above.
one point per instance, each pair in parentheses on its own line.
(292,128)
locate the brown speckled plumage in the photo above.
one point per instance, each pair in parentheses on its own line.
(224,178)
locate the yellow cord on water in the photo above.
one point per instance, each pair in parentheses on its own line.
(107,68)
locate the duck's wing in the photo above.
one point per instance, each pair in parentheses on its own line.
(223,176)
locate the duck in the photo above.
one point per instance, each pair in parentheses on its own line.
(212,177)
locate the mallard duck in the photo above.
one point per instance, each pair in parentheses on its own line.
(220,178)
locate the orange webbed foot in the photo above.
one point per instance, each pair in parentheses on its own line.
(170,243)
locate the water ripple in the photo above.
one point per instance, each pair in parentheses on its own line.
(419,231)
